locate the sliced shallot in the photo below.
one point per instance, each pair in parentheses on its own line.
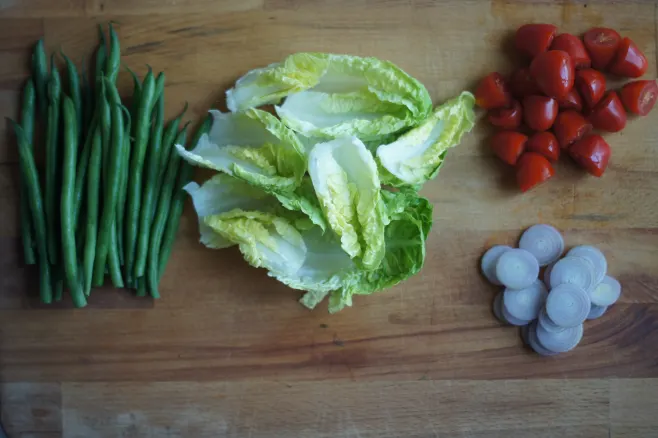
(525,303)
(594,255)
(596,311)
(489,260)
(517,269)
(534,342)
(568,305)
(606,293)
(560,342)
(547,323)
(573,270)
(544,242)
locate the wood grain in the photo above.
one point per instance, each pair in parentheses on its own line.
(229,352)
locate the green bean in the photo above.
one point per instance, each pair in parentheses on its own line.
(75,92)
(52,160)
(178,201)
(40,73)
(81,171)
(113,261)
(159,88)
(106,128)
(141,286)
(168,141)
(113,61)
(142,124)
(69,257)
(29,170)
(27,122)
(137,91)
(93,193)
(58,281)
(162,212)
(101,56)
(123,186)
(87,97)
(150,188)
(111,189)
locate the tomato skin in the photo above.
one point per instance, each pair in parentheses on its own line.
(522,83)
(592,153)
(544,143)
(639,97)
(571,101)
(532,39)
(569,127)
(532,169)
(539,112)
(608,114)
(591,85)
(508,145)
(574,47)
(506,118)
(601,44)
(492,92)
(554,73)
(629,61)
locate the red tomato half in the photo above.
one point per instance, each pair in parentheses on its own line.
(569,127)
(639,97)
(592,153)
(544,143)
(506,118)
(508,145)
(608,114)
(574,47)
(492,92)
(522,84)
(532,169)
(532,39)
(554,73)
(601,44)
(591,85)
(539,112)
(571,101)
(629,61)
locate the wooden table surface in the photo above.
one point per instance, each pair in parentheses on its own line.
(229,352)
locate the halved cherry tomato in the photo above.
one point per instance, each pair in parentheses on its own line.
(532,169)
(506,118)
(591,85)
(554,73)
(544,143)
(508,145)
(592,153)
(601,44)
(522,84)
(629,61)
(492,92)
(532,39)
(574,47)
(608,114)
(539,112)
(569,127)
(571,101)
(639,97)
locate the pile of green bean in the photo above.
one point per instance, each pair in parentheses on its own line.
(110,198)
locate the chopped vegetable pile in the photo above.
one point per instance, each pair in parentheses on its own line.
(564,88)
(111,195)
(551,312)
(301,194)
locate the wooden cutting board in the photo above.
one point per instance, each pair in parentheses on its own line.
(228,351)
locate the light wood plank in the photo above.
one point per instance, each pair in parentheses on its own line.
(274,409)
